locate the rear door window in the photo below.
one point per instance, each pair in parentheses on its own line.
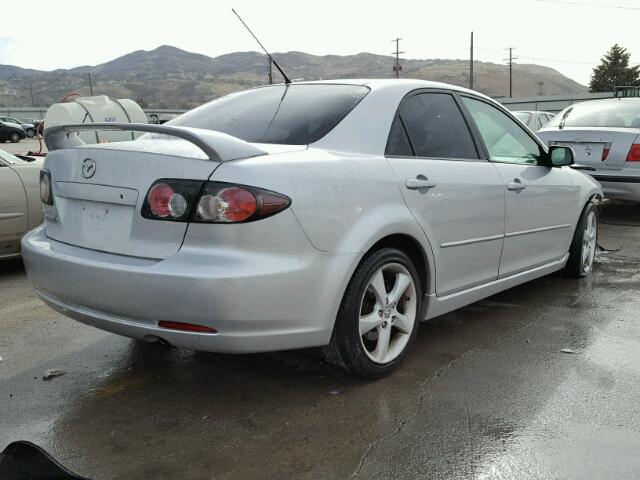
(436,127)
(398,143)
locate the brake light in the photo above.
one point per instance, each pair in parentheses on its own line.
(210,202)
(634,153)
(605,151)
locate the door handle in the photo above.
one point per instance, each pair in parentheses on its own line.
(516,185)
(419,182)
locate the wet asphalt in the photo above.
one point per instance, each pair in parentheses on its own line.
(486,392)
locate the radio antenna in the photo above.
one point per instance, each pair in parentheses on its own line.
(284,75)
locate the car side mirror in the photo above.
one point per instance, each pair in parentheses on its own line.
(560,156)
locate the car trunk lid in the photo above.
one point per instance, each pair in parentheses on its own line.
(99,191)
(602,148)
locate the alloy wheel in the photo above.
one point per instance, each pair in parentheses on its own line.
(589,242)
(388,312)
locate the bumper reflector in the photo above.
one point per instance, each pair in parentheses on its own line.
(189,327)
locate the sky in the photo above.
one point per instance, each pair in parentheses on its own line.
(568,35)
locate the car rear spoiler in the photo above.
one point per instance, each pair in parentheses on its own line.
(217,146)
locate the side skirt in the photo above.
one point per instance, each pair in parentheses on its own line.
(437,306)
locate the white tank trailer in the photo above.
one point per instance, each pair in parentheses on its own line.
(97,109)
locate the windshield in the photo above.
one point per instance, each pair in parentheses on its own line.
(293,115)
(615,113)
(11,120)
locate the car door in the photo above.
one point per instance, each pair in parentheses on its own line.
(457,197)
(539,198)
(13,210)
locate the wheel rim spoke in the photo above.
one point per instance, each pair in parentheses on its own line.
(402,283)
(378,288)
(382,347)
(370,321)
(403,323)
(585,254)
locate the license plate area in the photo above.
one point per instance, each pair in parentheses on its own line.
(585,152)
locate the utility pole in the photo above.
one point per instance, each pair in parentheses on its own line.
(471,65)
(510,60)
(90,84)
(33,103)
(397,67)
(270,72)
(540,88)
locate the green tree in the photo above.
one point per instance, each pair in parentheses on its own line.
(614,70)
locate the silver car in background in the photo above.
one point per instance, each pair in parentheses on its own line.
(338,214)
(605,136)
(535,120)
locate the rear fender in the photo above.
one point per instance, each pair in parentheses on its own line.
(382,222)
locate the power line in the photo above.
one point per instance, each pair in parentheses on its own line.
(544,59)
(584,4)
(559,61)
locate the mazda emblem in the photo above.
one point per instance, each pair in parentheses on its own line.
(88,167)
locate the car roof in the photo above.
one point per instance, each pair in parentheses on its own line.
(533,111)
(396,84)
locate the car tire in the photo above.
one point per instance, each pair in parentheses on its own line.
(31,133)
(584,244)
(14,137)
(374,329)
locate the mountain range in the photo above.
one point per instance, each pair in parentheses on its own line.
(168,77)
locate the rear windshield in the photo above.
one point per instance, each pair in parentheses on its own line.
(615,113)
(292,115)
(522,116)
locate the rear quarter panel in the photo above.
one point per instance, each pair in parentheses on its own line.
(345,203)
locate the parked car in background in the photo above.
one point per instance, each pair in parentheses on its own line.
(533,119)
(11,132)
(605,135)
(336,214)
(20,206)
(29,128)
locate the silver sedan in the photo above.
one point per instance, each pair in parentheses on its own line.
(605,136)
(338,214)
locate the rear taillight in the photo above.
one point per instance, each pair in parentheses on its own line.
(171,199)
(605,151)
(634,153)
(210,202)
(164,202)
(46,192)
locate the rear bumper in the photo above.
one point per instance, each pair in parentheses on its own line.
(256,302)
(621,187)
